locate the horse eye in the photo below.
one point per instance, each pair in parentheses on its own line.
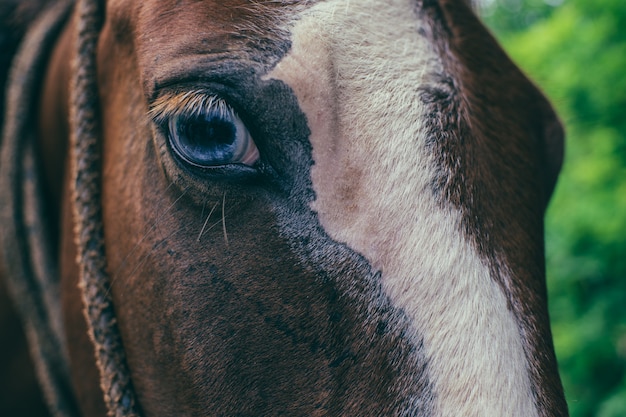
(212,138)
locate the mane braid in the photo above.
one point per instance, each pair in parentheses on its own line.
(115,381)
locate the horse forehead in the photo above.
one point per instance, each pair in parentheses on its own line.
(219,30)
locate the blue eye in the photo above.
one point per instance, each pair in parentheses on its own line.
(213,137)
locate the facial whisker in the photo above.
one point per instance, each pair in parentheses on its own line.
(224,219)
(206,221)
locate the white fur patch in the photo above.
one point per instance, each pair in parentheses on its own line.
(355,68)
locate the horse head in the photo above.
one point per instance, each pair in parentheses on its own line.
(306,208)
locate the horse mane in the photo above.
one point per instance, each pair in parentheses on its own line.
(27,36)
(119,395)
(15,18)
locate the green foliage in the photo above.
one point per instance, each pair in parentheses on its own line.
(576,51)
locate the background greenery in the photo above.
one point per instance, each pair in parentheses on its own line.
(576,51)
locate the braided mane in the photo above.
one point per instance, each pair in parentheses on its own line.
(115,382)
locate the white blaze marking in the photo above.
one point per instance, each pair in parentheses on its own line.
(355,68)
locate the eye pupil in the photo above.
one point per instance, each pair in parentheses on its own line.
(202,134)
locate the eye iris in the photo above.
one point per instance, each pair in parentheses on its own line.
(205,132)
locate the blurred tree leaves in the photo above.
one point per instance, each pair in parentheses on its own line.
(576,51)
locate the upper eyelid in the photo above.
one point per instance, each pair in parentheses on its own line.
(190,104)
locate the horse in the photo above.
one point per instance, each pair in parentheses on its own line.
(296,207)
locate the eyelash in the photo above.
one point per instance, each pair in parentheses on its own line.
(189,104)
